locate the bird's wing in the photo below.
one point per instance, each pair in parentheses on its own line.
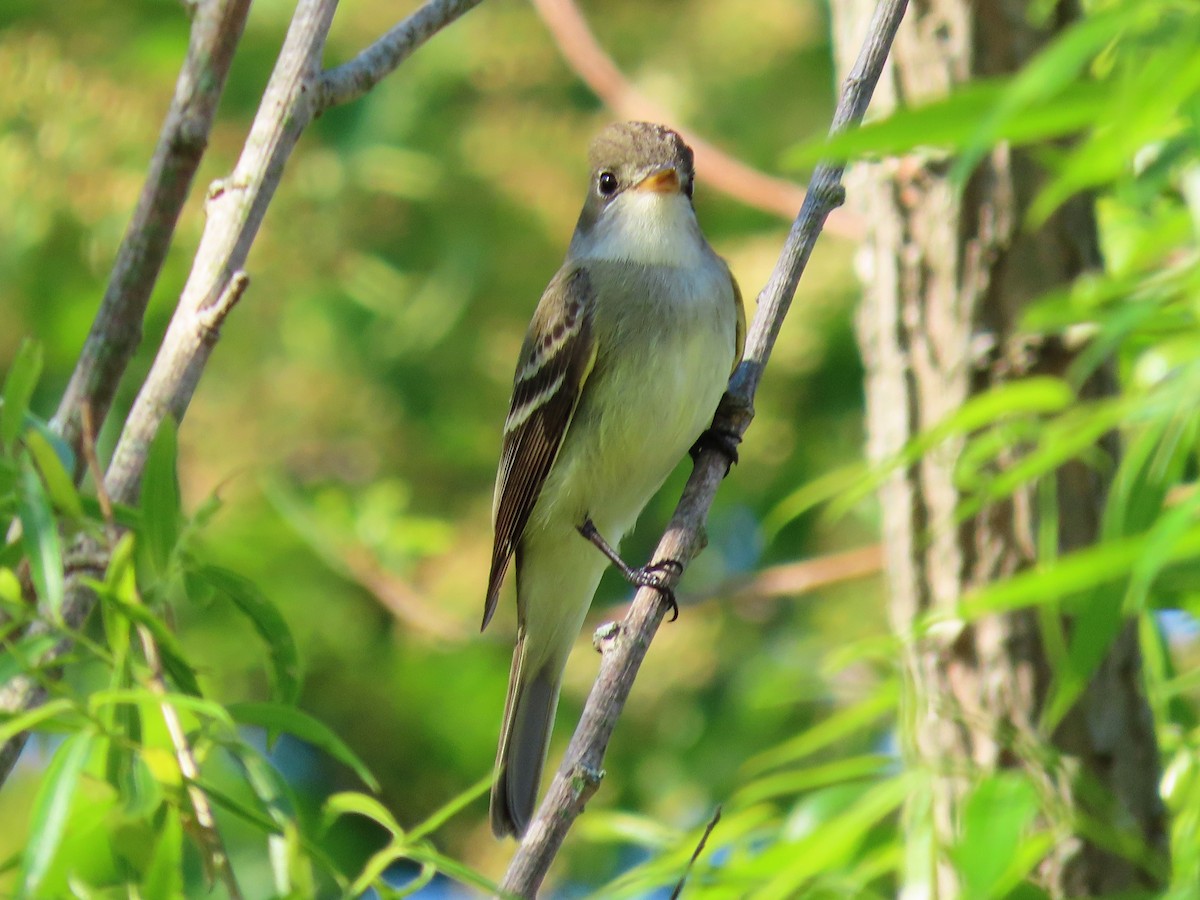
(555,361)
(739,339)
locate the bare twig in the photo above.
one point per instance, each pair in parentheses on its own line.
(351,80)
(117,329)
(716,168)
(216,858)
(708,829)
(683,539)
(295,94)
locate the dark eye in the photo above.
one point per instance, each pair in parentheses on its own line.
(607,184)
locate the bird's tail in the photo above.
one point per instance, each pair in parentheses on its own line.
(524,741)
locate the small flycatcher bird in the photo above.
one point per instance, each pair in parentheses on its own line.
(625,361)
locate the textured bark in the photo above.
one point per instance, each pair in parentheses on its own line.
(946,277)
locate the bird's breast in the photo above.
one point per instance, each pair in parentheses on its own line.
(665,339)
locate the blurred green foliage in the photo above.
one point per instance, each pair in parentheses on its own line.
(349,421)
(329,539)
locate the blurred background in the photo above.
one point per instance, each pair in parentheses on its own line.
(349,421)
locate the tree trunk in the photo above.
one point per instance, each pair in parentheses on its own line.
(946,276)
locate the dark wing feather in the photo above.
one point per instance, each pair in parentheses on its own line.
(555,361)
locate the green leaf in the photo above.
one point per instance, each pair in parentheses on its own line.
(10,728)
(164,874)
(39,535)
(952,122)
(144,696)
(995,819)
(25,655)
(51,807)
(830,730)
(161,506)
(355,803)
(57,479)
(22,378)
(174,660)
(268,623)
(278,717)
(451,809)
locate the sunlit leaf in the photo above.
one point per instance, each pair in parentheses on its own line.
(39,533)
(164,874)
(27,721)
(58,481)
(359,804)
(19,383)
(160,503)
(996,819)
(51,807)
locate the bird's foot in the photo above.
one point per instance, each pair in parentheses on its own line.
(655,575)
(724,441)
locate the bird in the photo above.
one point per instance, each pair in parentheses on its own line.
(624,363)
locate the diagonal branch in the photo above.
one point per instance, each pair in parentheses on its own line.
(353,79)
(117,329)
(625,647)
(717,168)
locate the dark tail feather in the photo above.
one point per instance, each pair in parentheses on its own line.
(524,740)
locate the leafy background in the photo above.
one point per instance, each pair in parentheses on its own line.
(340,452)
(349,421)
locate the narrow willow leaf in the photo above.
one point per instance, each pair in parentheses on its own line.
(51,807)
(144,696)
(25,655)
(161,509)
(22,378)
(58,482)
(354,803)
(39,535)
(164,874)
(10,728)
(268,623)
(995,822)
(451,809)
(278,717)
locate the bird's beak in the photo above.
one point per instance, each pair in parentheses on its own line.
(661,181)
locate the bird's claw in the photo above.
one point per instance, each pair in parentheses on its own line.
(656,576)
(724,441)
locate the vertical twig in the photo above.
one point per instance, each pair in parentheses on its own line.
(117,329)
(622,655)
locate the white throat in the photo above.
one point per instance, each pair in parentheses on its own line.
(644,227)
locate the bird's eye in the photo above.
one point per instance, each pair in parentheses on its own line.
(607,184)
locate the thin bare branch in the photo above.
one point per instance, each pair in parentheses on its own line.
(117,329)
(216,857)
(708,829)
(351,80)
(623,653)
(716,168)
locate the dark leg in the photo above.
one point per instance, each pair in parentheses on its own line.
(653,576)
(724,441)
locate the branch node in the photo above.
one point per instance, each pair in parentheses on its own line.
(585,781)
(605,636)
(213,315)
